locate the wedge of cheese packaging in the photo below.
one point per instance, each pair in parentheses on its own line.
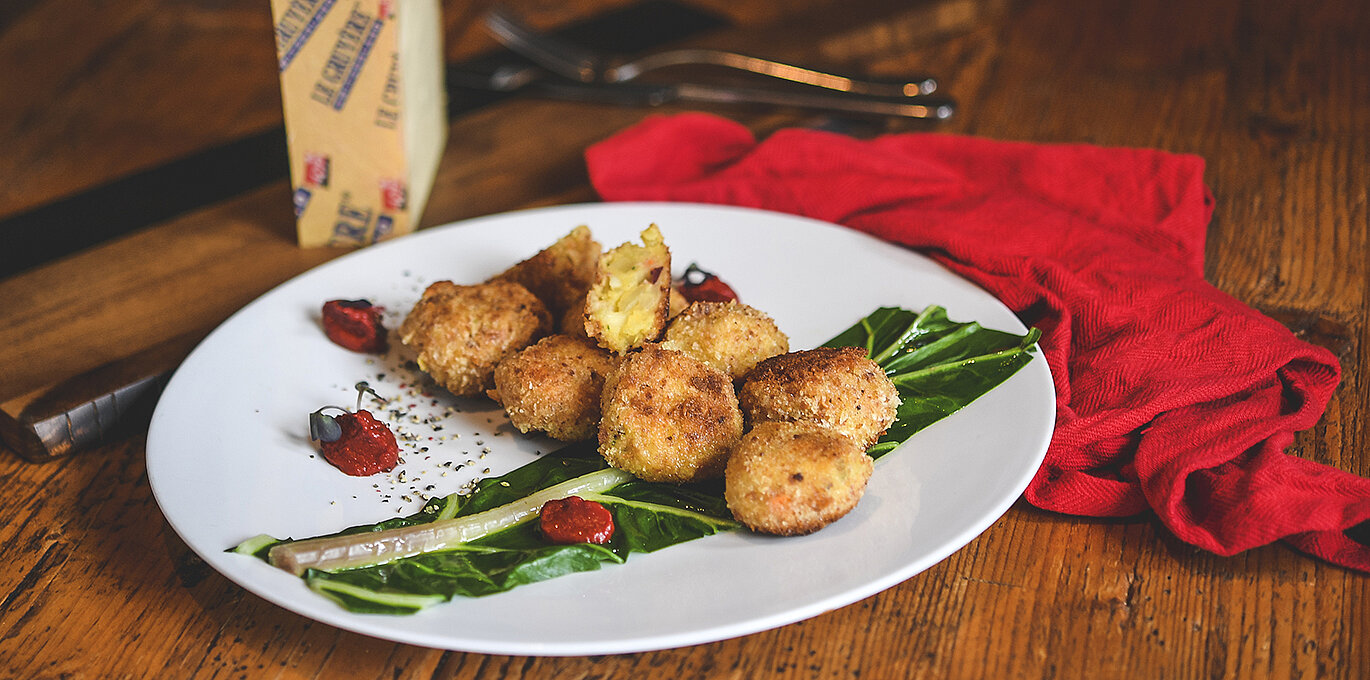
(365,114)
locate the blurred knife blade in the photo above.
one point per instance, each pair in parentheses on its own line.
(529,81)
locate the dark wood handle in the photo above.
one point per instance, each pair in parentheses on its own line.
(92,408)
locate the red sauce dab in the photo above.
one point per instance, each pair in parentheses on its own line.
(576,520)
(355,324)
(365,447)
(698,285)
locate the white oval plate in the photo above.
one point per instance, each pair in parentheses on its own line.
(228,455)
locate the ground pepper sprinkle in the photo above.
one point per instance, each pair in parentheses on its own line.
(425,421)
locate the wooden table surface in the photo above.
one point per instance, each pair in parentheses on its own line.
(1274,95)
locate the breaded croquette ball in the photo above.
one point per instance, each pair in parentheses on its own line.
(628,303)
(668,417)
(836,387)
(794,478)
(730,336)
(554,387)
(461,332)
(561,273)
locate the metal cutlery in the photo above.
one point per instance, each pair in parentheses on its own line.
(548,85)
(589,66)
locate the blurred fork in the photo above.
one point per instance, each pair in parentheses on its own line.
(588,66)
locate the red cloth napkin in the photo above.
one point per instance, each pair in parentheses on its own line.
(1171,395)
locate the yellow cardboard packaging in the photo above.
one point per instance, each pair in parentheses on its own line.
(365,114)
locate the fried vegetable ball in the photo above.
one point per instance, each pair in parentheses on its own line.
(730,336)
(668,417)
(836,387)
(461,332)
(554,387)
(560,274)
(628,303)
(794,478)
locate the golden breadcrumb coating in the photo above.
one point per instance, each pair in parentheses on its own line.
(462,332)
(554,387)
(730,336)
(836,387)
(794,478)
(628,303)
(561,273)
(668,417)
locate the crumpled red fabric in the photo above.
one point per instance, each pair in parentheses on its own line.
(1172,396)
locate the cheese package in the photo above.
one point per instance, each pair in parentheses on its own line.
(362,86)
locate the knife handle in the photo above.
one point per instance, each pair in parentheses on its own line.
(93,408)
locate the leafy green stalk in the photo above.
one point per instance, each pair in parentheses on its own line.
(350,551)
(521,555)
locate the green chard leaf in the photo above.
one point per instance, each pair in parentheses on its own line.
(647,517)
(938,365)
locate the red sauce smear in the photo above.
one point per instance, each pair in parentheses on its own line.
(576,520)
(355,324)
(366,446)
(698,285)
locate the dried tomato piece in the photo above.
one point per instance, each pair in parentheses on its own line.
(364,447)
(697,285)
(355,324)
(576,520)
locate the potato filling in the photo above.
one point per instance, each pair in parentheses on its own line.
(627,305)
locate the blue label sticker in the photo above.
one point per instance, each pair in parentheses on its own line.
(384,225)
(301,199)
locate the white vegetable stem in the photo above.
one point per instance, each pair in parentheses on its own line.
(378,547)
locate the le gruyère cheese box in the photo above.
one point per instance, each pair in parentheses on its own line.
(365,114)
